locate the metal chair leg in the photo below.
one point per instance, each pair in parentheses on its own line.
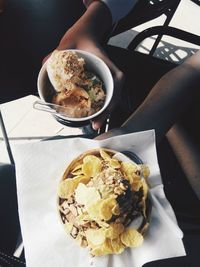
(161,30)
(169,15)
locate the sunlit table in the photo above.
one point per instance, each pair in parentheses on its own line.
(23,124)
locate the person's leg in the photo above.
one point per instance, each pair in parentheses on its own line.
(188,155)
(167,100)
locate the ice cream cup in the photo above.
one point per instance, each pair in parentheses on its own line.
(95,65)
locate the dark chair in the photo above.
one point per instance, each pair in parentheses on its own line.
(146,10)
(9,226)
(196,2)
(8,208)
(164,30)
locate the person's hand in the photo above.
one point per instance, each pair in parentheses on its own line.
(87,34)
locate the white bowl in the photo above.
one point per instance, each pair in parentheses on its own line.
(95,65)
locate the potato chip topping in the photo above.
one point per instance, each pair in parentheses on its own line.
(99,196)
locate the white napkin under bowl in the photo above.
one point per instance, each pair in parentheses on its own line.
(39,168)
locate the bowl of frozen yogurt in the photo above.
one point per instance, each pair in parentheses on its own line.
(78,84)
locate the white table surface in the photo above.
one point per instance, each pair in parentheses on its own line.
(24,124)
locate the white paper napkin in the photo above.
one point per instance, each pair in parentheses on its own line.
(39,167)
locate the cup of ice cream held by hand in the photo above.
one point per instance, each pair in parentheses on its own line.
(78,82)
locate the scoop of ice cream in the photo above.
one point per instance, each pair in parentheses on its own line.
(74,103)
(78,91)
(64,66)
